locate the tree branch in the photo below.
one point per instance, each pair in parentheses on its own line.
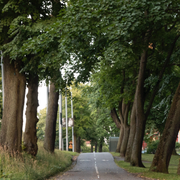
(161,75)
(115,118)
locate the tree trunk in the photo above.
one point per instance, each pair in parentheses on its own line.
(50,130)
(91,147)
(30,138)
(115,118)
(14,92)
(123,114)
(121,134)
(101,144)
(96,146)
(140,116)
(167,141)
(118,125)
(75,143)
(125,141)
(78,144)
(131,135)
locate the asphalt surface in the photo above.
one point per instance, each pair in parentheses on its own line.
(96,166)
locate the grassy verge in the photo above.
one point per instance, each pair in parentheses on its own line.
(144,172)
(42,166)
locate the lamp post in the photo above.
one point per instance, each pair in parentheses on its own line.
(73,122)
(60,122)
(66,121)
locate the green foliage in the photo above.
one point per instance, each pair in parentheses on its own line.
(177,146)
(85,149)
(105,148)
(41,124)
(152,146)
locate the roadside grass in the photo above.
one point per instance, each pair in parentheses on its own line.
(144,172)
(43,166)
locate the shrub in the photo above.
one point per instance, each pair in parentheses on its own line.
(105,148)
(85,149)
(152,146)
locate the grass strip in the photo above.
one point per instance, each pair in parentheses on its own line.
(144,172)
(43,166)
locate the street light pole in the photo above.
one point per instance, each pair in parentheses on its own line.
(66,120)
(73,122)
(60,121)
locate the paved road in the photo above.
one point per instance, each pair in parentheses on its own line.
(96,166)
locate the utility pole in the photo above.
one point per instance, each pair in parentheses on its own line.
(73,122)
(60,121)
(66,120)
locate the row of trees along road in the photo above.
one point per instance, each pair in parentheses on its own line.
(130,47)
(89,124)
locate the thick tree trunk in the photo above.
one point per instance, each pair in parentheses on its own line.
(167,141)
(131,135)
(50,130)
(123,114)
(14,92)
(125,141)
(30,138)
(140,115)
(121,134)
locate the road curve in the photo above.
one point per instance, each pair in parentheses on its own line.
(96,166)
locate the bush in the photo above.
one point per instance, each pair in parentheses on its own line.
(105,148)
(177,145)
(152,146)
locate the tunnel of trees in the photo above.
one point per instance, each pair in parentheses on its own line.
(127,51)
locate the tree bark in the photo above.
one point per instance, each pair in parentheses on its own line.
(101,144)
(125,141)
(30,138)
(131,135)
(123,111)
(140,116)
(121,134)
(75,143)
(167,141)
(115,118)
(91,147)
(78,144)
(118,125)
(14,92)
(96,146)
(50,130)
